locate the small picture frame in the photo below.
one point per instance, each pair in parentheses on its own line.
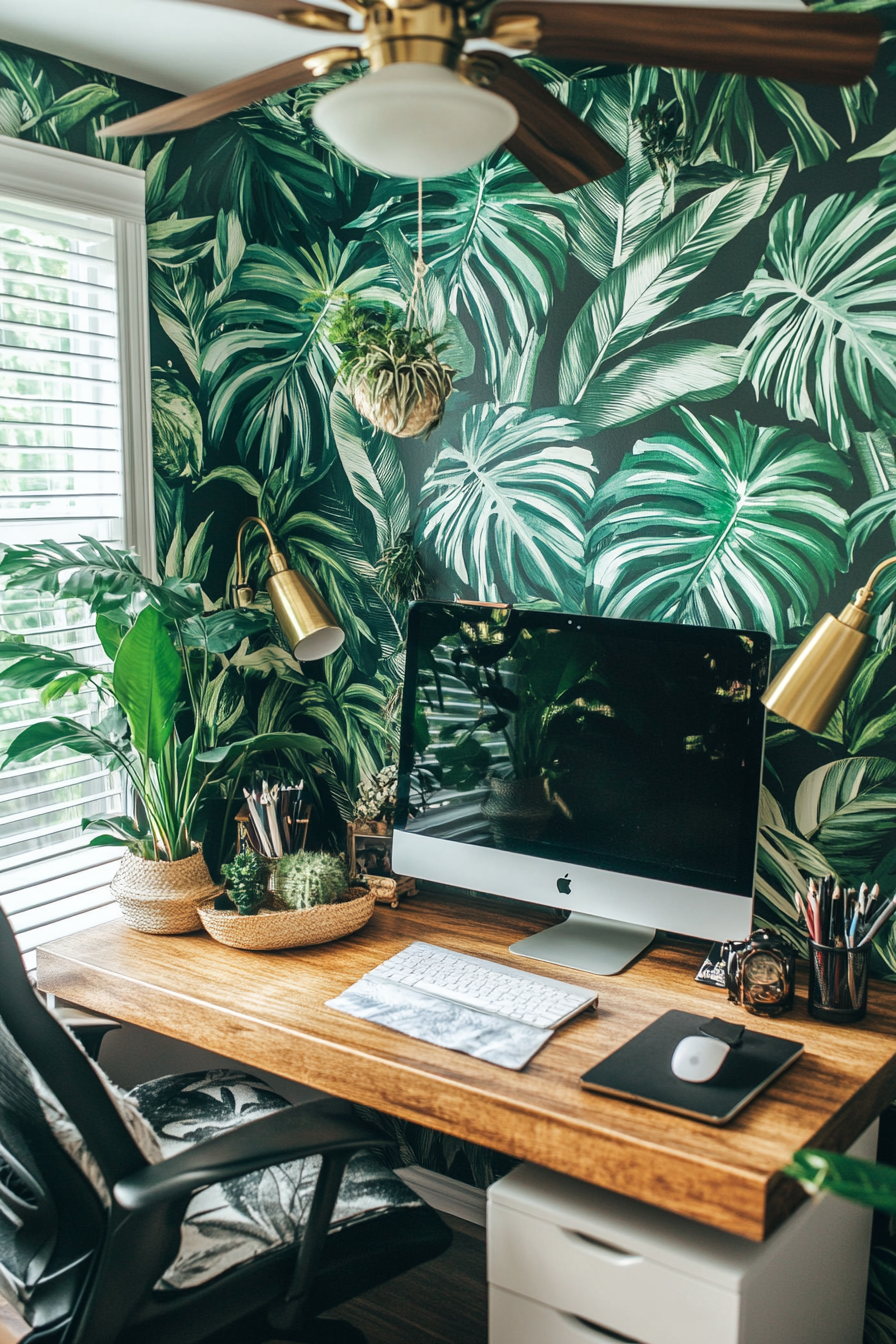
(368,852)
(369,855)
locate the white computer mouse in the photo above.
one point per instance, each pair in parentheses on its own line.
(697,1059)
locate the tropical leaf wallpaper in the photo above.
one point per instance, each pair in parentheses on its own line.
(675,399)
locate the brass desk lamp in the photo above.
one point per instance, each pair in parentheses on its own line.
(814,679)
(306,620)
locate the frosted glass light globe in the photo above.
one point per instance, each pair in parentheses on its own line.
(415,120)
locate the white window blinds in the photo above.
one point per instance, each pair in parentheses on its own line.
(67,317)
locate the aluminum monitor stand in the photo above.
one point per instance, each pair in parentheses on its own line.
(587,943)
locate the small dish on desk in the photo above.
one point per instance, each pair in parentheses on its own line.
(272,930)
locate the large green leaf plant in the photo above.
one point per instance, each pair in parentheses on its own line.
(164,723)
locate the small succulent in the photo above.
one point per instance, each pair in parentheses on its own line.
(248,880)
(309,878)
(377,796)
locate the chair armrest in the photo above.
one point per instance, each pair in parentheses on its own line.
(280,1136)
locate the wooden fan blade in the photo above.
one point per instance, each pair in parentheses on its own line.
(198,108)
(783,44)
(552,142)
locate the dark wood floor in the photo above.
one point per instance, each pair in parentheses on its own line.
(443,1302)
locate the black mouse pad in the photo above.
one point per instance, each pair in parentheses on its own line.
(641,1070)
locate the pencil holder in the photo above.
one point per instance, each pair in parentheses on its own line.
(838,983)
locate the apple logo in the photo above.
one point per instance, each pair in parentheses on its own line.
(563,885)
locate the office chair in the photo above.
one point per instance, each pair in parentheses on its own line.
(99,1245)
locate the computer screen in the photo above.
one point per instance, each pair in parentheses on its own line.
(625,746)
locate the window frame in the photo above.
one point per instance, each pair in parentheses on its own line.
(43,175)
(69,181)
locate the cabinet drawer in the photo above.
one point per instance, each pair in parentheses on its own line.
(607,1285)
(517,1320)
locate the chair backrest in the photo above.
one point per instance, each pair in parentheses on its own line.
(52,1221)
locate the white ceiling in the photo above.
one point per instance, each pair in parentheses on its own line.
(169,43)
(177,45)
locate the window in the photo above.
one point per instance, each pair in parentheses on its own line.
(74,460)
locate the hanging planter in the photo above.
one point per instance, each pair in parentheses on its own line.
(390,366)
(391,371)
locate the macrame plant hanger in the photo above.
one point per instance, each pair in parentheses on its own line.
(417,313)
(402,385)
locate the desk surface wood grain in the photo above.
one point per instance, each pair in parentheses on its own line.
(268,1011)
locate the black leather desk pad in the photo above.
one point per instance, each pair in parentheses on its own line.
(641,1070)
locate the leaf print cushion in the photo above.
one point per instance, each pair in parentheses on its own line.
(233,1222)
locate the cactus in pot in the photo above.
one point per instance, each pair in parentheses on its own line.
(309,878)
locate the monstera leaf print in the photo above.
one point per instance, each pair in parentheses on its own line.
(725,525)
(847,809)
(271,368)
(622,310)
(824,343)
(496,237)
(507,505)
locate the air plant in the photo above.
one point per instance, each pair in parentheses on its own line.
(391,369)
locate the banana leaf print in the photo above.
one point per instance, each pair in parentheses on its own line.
(726,525)
(824,343)
(511,499)
(847,809)
(271,367)
(622,311)
(614,215)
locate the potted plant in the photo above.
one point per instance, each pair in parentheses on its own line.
(157,720)
(391,369)
(311,901)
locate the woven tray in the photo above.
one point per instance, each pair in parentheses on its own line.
(158,897)
(272,929)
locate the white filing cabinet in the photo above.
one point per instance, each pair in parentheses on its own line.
(569,1263)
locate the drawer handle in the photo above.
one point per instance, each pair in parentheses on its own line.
(599,1334)
(604,1249)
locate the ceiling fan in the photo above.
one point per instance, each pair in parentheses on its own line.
(429,107)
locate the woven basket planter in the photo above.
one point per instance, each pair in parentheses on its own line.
(272,929)
(426,414)
(158,897)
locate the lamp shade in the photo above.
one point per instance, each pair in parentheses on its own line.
(813,681)
(306,620)
(415,120)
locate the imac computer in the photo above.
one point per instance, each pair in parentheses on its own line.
(608,767)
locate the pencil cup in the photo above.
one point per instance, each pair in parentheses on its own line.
(838,983)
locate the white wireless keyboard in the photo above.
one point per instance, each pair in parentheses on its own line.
(517,995)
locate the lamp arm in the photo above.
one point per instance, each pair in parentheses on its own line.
(272,545)
(864,595)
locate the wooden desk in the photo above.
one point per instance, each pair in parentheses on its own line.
(267,1010)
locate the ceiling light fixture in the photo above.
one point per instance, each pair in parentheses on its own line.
(415,120)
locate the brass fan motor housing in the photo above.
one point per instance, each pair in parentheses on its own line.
(430,33)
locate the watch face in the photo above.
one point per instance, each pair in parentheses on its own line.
(764,977)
